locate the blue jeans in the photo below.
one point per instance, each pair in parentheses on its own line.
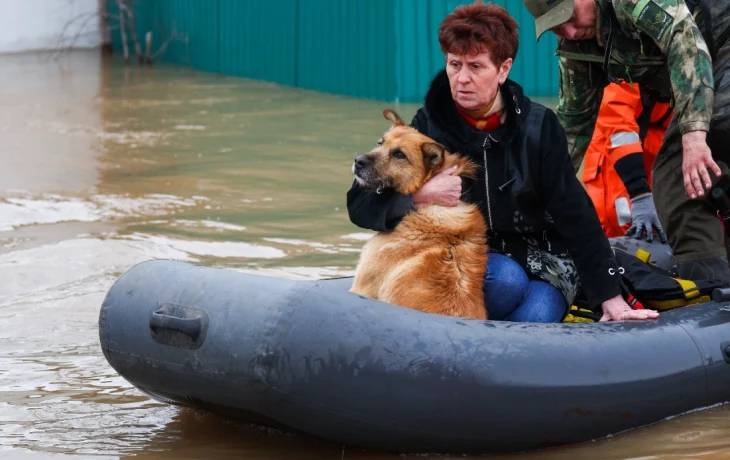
(510,295)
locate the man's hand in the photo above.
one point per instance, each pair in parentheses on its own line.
(644,219)
(616,309)
(696,159)
(443,189)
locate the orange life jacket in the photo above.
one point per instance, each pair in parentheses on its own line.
(617,133)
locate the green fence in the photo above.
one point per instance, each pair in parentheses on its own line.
(379,49)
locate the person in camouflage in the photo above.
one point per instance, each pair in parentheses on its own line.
(678,48)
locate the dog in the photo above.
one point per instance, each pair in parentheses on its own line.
(436,258)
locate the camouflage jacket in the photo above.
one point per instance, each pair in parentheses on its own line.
(657,43)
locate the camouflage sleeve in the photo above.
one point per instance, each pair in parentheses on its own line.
(671,25)
(578,106)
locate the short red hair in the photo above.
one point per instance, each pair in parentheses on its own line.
(478,28)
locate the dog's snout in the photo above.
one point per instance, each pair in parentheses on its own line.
(362,161)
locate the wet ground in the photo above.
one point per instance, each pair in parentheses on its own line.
(102,167)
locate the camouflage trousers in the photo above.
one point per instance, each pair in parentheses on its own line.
(693,229)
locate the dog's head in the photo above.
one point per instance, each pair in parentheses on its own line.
(405,159)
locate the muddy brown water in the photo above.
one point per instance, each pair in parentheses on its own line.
(102,167)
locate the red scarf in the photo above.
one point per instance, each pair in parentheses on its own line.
(482,122)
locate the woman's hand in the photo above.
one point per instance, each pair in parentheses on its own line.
(443,189)
(696,159)
(616,309)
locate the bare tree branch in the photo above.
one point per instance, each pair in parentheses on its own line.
(166,43)
(123,30)
(66,42)
(125,22)
(132,28)
(148,47)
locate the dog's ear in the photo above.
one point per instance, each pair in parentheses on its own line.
(433,155)
(393,117)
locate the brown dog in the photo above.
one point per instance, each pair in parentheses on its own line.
(435,259)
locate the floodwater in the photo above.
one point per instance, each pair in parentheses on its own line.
(102,167)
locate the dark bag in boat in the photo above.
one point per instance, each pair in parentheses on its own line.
(660,289)
(644,285)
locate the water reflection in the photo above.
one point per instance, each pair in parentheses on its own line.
(270,159)
(48,122)
(198,434)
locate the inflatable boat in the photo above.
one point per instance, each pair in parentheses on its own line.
(309,356)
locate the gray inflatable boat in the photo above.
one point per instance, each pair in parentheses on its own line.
(311,356)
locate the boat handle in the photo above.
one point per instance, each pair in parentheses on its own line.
(188,326)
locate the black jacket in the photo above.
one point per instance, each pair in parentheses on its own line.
(533,191)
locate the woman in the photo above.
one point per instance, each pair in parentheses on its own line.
(544,235)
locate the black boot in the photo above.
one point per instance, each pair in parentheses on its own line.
(707,269)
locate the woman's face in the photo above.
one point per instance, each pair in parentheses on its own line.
(475,79)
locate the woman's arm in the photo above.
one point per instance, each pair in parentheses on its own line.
(379,212)
(577,222)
